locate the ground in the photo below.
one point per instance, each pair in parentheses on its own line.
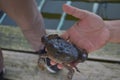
(22,66)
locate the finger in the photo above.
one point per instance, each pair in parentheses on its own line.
(60,66)
(65,35)
(53,62)
(78,13)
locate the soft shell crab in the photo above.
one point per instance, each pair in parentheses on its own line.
(63,52)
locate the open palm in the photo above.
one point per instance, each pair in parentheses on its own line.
(89,32)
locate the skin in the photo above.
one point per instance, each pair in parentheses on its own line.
(91,31)
(114,28)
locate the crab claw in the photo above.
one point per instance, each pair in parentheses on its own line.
(44,39)
(77,69)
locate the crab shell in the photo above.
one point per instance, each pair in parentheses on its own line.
(63,52)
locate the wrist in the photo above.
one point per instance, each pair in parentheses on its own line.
(108,26)
(114,29)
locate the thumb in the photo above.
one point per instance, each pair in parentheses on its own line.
(78,13)
(65,35)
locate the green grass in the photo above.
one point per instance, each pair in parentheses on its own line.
(12,38)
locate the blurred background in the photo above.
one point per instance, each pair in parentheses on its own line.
(55,18)
(52,11)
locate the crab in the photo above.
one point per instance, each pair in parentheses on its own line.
(63,52)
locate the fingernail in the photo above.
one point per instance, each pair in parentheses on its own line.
(60,66)
(52,62)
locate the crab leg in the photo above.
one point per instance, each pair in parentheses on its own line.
(70,73)
(41,61)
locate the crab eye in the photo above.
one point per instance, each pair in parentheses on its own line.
(84,57)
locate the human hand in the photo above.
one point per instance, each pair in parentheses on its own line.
(89,32)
